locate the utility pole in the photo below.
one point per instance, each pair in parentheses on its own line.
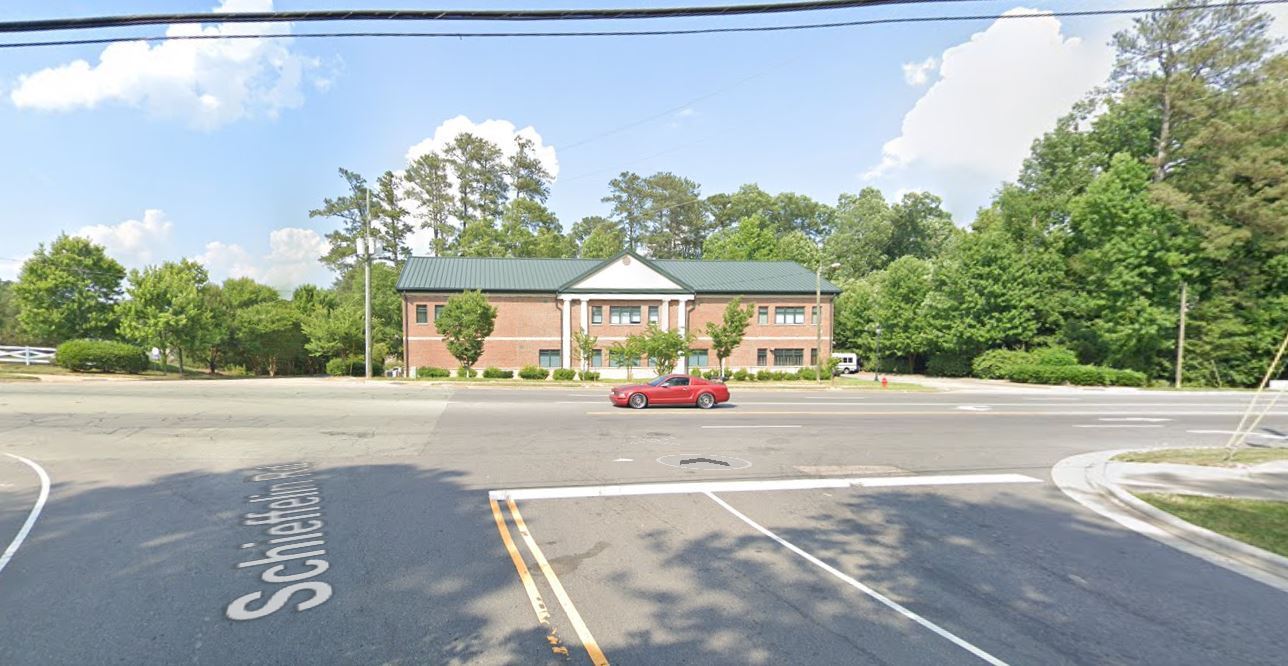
(366,288)
(876,364)
(818,321)
(1180,338)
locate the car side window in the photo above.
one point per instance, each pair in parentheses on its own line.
(678,381)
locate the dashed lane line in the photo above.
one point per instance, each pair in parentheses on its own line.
(735,427)
(848,580)
(1117,425)
(31,517)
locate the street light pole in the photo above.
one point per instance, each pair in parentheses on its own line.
(366,289)
(876,362)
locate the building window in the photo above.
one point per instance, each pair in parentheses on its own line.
(698,358)
(623,314)
(813,314)
(813,355)
(794,315)
(597,358)
(652,314)
(596,314)
(422,314)
(550,358)
(762,357)
(438,311)
(789,356)
(762,315)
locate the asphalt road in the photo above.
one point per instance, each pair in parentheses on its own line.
(134,557)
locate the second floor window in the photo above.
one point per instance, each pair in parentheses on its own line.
(762,315)
(624,314)
(652,314)
(422,314)
(791,315)
(597,314)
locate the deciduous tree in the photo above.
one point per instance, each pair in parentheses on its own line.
(465,324)
(68,290)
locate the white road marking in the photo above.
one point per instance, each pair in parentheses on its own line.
(1234,432)
(845,578)
(732,427)
(1118,425)
(699,487)
(974,408)
(35,510)
(586,395)
(582,402)
(1135,418)
(624,460)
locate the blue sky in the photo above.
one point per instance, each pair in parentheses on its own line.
(218,152)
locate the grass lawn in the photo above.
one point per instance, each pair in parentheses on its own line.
(1261,523)
(1214,457)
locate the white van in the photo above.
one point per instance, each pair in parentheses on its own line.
(847,363)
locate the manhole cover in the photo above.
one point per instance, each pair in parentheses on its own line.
(703,461)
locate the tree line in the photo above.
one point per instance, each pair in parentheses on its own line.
(1172,174)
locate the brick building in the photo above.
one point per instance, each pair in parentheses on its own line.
(541,302)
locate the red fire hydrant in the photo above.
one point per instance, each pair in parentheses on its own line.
(885,382)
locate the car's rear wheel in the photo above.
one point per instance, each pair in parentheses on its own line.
(638,401)
(706,401)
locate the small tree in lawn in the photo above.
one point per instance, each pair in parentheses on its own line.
(664,348)
(727,335)
(628,352)
(465,323)
(583,345)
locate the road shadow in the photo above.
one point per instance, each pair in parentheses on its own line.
(142,572)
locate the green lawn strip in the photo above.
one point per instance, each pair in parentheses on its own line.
(1261,523)
(1212,457)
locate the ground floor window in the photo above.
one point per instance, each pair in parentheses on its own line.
(789,356)
(550,358)
(698,358)
(762,356)
(617,360)
(597,358)
(813,355)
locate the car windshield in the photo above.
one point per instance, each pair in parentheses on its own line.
(659,380)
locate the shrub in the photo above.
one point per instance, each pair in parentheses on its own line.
(789,376)
(497,373)
(433,372)
(948,365)
(1079,375)
(1054,356)
(589,376)
(696,372)
(464,372)
(740,374)
(996,363)
(807,373)
(105,355)
(764,376)
(533,372)
(713,373)
(235,371)
(565,374)
(353,366)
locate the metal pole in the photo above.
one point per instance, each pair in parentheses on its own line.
(367,288)
(1180,339)
(818,324)
(876,363)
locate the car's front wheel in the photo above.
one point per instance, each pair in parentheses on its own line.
(638,401)
(706,401)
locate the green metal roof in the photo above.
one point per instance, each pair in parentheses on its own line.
(453,274)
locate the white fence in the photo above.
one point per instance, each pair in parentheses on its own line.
(27,355)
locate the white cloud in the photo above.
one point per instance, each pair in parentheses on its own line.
(134,243)
(292,259)
(500,132)
(1279,27)
(918,73)
(10,267)
(974,126)
(207,83)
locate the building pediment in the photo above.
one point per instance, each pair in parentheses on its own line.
(627,272)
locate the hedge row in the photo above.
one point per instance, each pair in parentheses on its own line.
(104,355)
(432,372)
(1080,375)
(354,366)
(998,363)
(497,373)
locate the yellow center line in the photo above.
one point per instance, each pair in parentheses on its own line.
(529,586)
(583,632)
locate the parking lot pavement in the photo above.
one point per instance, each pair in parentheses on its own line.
(153,546)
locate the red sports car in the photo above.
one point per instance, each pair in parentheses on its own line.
(671,390)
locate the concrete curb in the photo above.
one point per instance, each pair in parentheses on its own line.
(1083,478)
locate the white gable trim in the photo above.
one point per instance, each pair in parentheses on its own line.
(626,272)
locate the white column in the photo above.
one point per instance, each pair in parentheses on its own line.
(664,317)
(566,339)
(585,316)
(682,326)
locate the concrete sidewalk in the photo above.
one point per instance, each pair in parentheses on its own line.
(1267,481)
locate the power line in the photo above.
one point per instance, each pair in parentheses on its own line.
(659,33)
(333,15)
